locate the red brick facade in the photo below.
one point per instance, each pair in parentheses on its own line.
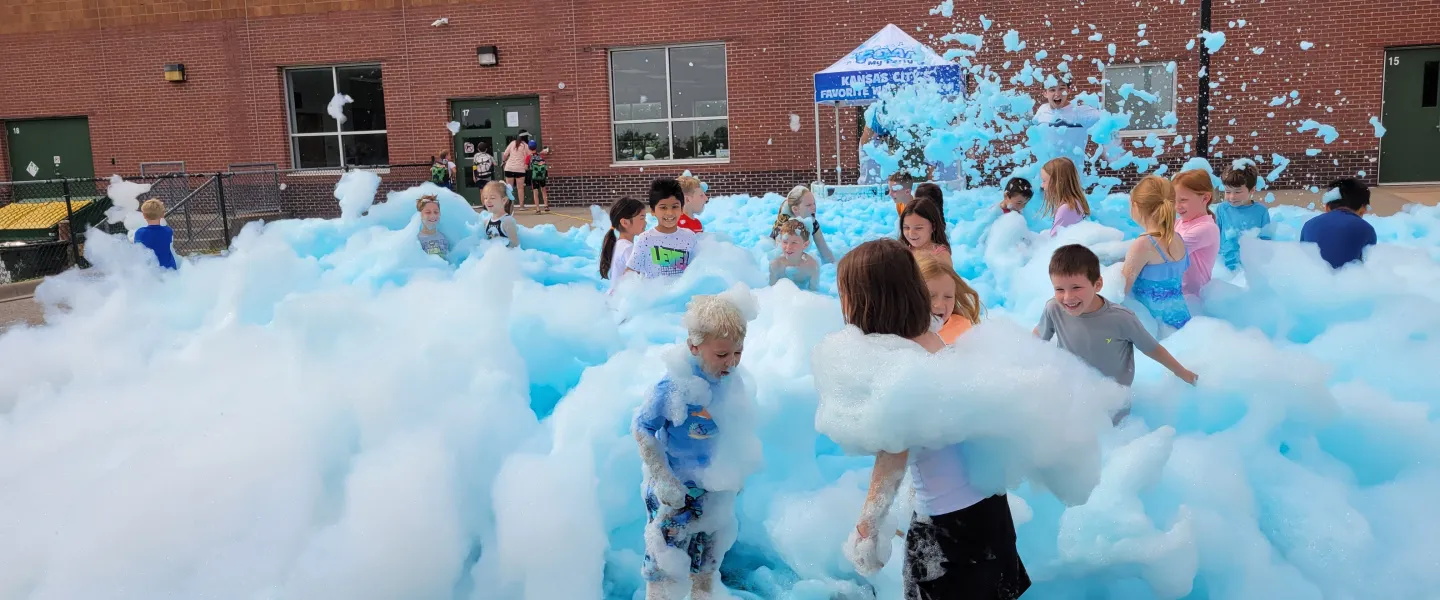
(105,61)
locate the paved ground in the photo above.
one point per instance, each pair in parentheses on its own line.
(22,309)
(16,305)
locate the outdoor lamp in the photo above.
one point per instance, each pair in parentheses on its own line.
(175,73)
(489,56)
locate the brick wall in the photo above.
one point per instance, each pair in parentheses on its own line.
(104,61)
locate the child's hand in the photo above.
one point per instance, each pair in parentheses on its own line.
(1187,376)
(865,551)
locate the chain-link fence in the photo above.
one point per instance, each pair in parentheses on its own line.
(205,210)
(38,236)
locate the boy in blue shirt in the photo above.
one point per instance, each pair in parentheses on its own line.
(1239,213)
(1341,231)
(690,507)
(155,236)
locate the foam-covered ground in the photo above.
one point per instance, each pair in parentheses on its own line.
(327,412)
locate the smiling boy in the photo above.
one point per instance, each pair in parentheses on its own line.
(666,250)
(1101,333)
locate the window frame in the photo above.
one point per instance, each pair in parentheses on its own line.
(339,133)
(1174,96)
(669,110)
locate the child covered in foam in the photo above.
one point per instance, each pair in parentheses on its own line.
(966,421)
(697,444)
(794,263)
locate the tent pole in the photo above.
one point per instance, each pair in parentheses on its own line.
(818,176)
(839,180)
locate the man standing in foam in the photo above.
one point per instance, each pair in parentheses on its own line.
(1068,121)
(697,445)
(1101,333)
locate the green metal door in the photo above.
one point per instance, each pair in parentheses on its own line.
(489,125)
(1411,116)
(44,149)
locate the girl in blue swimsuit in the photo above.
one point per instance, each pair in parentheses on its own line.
(1152,272)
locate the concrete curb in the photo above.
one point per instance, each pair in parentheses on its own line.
(17,291)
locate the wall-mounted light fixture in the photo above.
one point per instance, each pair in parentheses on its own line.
(489,56)
(175,73)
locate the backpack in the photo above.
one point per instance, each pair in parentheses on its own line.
(539,171)
(484,165)
(439,173)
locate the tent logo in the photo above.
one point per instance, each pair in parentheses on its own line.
(882,55)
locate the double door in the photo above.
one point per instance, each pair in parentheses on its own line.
(488,126)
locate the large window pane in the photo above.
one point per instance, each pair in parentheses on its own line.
(637,84)
(310,93)
(697,82)
(702,139)
(642,141)
(1151,79)
(317,152)
(366,149)
(363,85)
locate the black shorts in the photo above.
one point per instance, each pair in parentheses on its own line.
(538,184)
(968,554)
(516,175)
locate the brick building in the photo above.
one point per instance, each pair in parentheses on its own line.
(590,77)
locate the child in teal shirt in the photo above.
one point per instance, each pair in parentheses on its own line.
(1239,213)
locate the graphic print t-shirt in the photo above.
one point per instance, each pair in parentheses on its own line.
(659,254)
(434,243)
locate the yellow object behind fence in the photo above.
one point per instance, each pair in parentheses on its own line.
(36,215)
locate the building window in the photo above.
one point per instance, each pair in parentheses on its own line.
(670,104)
(1151,94)
(317,140)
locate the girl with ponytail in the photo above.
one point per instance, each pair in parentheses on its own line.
(1156,263)
(627,220)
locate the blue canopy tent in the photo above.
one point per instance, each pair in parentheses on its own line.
(889,58)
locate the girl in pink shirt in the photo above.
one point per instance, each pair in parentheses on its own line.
(1064,196)
(1193,191)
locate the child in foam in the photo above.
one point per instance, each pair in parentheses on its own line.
(961,543)
(902,188)
(1341,232)
(793,263)
(155,235)
(501,224)
(954,305)
(1017,194)
(1193,192)
(431,240)
(695,419)
(799,205)
(666,250)
(1156,262)
(1239,213)
(932,192)
(627,220)
(1101,333)
(693,203)
(922,227)
(1064,196)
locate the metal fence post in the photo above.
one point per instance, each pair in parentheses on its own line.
(70,218)
(220,196)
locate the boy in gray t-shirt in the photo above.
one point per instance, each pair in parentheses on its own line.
(1099,332)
